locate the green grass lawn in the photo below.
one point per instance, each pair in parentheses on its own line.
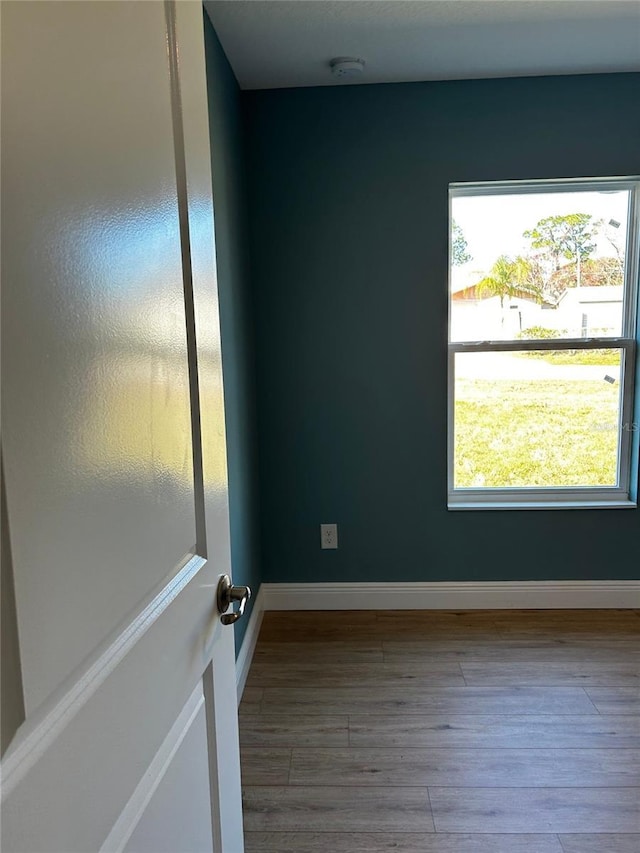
(542,432)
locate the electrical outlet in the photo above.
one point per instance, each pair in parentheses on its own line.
(329,536)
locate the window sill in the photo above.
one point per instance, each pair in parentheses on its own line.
(529,505)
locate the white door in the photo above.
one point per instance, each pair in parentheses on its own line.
(113,436)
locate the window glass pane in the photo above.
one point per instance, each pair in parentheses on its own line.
(538,265)
(537,419)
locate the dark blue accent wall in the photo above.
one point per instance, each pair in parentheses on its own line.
(227,163)
(348,220)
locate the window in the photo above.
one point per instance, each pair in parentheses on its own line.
(543,278)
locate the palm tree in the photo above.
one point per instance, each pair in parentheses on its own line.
(504,279)
(511,277)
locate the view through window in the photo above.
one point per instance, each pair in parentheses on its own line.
(543,281)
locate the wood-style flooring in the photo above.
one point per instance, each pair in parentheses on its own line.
(443,732)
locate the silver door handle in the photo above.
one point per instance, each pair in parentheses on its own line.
(227,594)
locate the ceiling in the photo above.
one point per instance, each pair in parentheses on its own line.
(286,43)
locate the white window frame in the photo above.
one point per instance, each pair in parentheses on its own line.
(585,497)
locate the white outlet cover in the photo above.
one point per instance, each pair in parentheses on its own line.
(329,536)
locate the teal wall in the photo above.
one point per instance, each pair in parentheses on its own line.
(227,163)
(348,217)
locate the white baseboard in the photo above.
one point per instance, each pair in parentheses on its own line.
(248,647)
(519,595)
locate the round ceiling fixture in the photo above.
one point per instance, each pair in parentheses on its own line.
(346,67)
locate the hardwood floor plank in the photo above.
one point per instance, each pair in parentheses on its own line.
(329,633)
(550,673)
(497,731)
(449,617)
(265,766)
(419,633)
(598,622)
(340,809)
(489,768)
(385,676)
(600,843)
(312,652)
(251,699)
(296,627)
(383,842)
(616,700)
(530,649)
(461,700)
(561,810)
(313,618)
(408,624)
(289,731)
(622,640)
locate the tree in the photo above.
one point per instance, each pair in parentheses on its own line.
(459,254)
(568,236)
(610,231)
(596,272)
(511,277)
(530,277)
(548,235)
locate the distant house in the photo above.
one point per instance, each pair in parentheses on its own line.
(578,312)
(477,315)
(586,311)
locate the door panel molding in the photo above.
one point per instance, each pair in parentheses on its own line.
(87,774)
(42,728)
(132,813)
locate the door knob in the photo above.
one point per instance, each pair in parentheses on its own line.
(227,594)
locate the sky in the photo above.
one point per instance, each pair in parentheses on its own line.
(493,225)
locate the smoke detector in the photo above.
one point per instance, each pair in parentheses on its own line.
(346,67)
